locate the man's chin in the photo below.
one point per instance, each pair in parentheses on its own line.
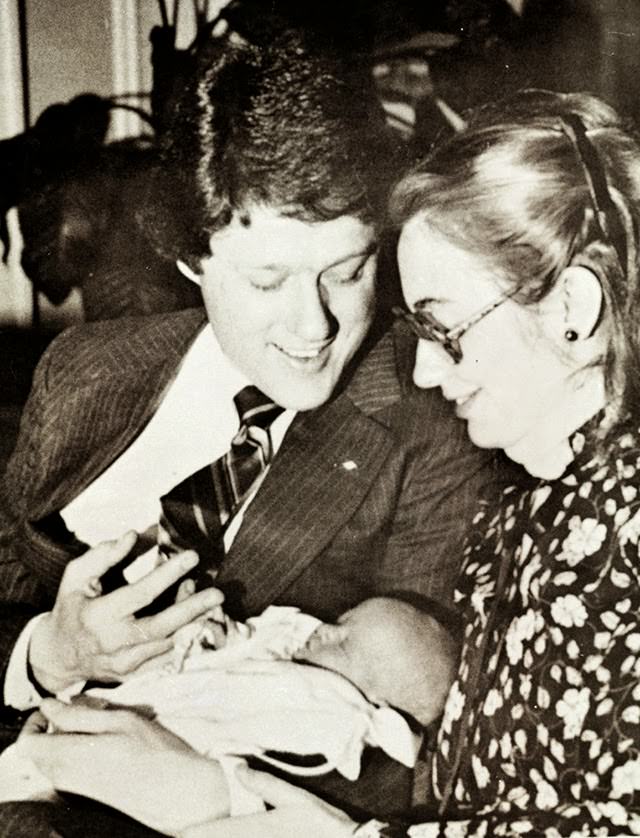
(300,403)
(302,398)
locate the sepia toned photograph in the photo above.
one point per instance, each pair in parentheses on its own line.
(319,418)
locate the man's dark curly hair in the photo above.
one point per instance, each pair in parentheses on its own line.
(279,125)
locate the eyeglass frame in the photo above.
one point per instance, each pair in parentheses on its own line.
(426,326)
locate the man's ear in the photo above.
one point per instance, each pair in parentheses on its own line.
(575,305)
(185,270)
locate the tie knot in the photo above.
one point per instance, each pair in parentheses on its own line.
(254,408)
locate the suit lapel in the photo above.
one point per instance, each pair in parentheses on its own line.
(130,390)
(132,382)
(325,467)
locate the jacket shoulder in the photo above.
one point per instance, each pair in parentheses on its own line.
(383,380)
(125,347)
(93,390)
(382,387)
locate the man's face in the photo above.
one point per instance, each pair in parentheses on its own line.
(290,302)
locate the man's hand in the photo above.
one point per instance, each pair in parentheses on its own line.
(92,637)
(126,761)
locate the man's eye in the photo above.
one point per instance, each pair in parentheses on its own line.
(350,277)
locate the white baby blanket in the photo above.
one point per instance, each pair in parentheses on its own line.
(249,698)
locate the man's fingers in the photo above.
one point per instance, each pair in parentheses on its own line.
(185,589)
(131,598)
(178,615)
(126,660)
(95,562)
(153,663)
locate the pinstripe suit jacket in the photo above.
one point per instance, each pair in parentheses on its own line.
(317,535)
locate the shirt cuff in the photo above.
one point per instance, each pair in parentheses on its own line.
(20,692)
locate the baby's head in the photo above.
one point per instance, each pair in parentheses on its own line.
(393,652)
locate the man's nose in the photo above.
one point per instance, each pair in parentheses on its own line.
(310,314)
(432,364)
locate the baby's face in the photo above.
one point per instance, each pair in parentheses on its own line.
(341,647)
(384,647)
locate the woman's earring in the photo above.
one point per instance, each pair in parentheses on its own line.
(571,335)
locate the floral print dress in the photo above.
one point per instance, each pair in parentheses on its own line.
(541,730)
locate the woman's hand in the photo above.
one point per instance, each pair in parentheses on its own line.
(128,762)
(295,812)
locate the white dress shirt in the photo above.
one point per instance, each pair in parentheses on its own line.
(193,426)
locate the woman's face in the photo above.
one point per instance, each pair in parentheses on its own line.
(511,376)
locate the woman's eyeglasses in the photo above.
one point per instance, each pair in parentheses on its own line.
(427,327)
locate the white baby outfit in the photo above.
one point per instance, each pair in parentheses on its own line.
(249,698)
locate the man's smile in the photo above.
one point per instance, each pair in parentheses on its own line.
(307,357)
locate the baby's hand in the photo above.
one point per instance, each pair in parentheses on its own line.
(214,631)
(237,631)
(213,634)
(225,632)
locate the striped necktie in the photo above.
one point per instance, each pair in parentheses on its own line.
(196,512)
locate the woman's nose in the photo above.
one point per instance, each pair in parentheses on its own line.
(432,364)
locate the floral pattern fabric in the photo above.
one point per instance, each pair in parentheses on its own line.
(541,730)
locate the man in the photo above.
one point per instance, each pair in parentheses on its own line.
(274,183)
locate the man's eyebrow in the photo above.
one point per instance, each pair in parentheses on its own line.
(275,267)
(270,268)
(364,253)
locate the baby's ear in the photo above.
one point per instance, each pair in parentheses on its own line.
(327,634)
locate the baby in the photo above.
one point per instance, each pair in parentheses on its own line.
(284,683)
(394,653)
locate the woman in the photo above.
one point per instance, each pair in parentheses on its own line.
(518,258)
(519,266)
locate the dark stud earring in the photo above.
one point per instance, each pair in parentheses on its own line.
(571,335)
